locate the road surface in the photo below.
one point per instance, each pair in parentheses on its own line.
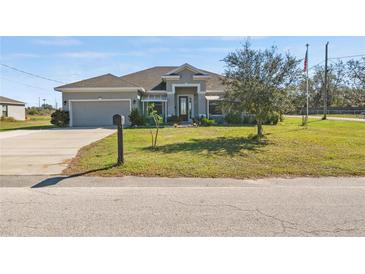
(134,206)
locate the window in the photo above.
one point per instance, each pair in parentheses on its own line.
(214,108)
(158,107)
(4,111)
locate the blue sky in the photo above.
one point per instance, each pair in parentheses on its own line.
(69,59)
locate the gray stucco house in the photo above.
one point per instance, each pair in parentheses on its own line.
(12,108)
(184,91)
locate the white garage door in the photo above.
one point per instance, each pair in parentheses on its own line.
(97,113)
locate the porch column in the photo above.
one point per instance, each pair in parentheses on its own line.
(165,112)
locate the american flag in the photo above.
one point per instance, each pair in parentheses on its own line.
(306,60)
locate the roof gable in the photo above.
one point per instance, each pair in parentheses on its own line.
(183,67)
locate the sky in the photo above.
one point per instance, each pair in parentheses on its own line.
(69,59)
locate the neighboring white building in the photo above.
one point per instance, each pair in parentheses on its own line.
(12,108)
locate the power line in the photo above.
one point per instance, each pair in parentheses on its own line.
(30,86)
(349,56)
(340,57)
(31,74)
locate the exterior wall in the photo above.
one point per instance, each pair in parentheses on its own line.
(84,95)
(186,77)
(202,105)
(17,112)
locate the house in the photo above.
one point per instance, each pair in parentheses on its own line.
(12,108)
(182,91)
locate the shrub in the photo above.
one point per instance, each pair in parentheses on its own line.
(249,119)
(60,118)
(173,119)
(233,118)
(207,122)
(272,119)
(136,118)
(7,119)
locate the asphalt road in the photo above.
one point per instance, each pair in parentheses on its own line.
(132,206)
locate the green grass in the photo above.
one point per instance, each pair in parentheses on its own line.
(324,148)
(357,116)
(33,122)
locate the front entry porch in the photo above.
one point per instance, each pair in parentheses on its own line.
(186,103)
(185,107)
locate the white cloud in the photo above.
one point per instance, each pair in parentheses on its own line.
(103,55)
(57,41)
(88,54)
(206,49)
(12,56)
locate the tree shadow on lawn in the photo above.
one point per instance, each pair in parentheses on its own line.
(231,146)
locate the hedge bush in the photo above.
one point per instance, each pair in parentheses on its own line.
(233,118)
(136,118)
(207,122)
(60,118)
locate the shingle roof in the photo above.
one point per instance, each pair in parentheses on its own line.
(150,79)
(104,81)
(5,100)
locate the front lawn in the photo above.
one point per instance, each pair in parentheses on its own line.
(357,116)
(33,122)
(328,148)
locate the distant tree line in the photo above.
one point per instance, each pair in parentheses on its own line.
(346,86)
(44,110)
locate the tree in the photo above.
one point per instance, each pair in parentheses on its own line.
(336,84)
(157,119)
(258,81)
(356,75)
(356,72)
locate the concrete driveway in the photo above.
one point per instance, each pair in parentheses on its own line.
(43,152)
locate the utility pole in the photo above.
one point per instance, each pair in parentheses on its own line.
(39,102)
(325,85)
(307,85)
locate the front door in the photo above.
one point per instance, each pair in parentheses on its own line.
(183,108)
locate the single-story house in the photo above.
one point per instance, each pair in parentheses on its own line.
(12,108)
(183,91)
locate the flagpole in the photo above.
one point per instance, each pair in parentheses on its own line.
(307,45)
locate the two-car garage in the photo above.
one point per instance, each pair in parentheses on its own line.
(94,101)
(92,113)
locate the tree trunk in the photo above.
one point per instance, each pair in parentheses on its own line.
(260,131)
(156,136)
(152,138)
